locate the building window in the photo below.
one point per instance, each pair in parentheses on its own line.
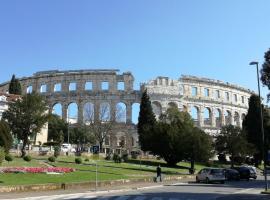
(227,96)
(120,86)
(243,99)
(194,91)
(217,94)
(89,85)
(57,87)
(235,97)
(206,92)
(43,88)
(105,85)
(72,86)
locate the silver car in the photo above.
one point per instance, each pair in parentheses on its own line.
(209,175)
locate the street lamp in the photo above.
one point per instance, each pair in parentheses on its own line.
(262,129)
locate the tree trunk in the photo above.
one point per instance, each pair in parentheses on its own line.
(100,147)
(23,147)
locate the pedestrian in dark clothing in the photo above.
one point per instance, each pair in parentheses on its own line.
(159,173)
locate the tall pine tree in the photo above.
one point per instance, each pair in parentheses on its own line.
(14,86)
(146,122)
(252,126)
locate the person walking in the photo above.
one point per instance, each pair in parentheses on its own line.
(159,173)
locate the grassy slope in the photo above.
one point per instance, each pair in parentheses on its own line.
(107,170)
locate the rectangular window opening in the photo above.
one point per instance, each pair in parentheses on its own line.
(72,86)
(57,87)
(89,85)
(120,85)
(105,85)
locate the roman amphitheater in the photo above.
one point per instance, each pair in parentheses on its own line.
(80,95)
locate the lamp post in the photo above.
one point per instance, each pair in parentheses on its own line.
(262,129)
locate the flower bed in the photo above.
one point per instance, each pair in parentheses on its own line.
(36,169)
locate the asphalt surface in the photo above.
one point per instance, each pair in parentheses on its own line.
(234,190)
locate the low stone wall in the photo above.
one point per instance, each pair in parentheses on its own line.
(89,185)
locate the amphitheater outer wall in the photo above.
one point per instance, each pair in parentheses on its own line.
(216,103)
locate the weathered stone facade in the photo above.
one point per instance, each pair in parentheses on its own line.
(211,103)
(217,103)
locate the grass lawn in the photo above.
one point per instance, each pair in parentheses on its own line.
(107,170)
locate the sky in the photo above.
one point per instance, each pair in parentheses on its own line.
(150,38)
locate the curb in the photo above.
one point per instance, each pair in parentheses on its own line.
(90,185)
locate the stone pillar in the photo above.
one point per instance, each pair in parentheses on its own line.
(222,117)
(129,113)
(201,119)
(80,112)
(96,111)
(113,111)
(213,118)
(65,112)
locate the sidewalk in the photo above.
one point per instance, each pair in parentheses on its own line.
(100,190)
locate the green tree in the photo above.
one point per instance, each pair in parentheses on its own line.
(146,122)
(5,136)
(265,71)
(57,129)
(252,127)
(198,147)
(169,136)
(15,86)
(26,116)
(81,136)
(232,141)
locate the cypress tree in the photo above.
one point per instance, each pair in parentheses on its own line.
(5,136)
(252,126)
(146,122)
(14,86)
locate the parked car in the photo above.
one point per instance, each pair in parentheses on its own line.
(211,175)
(246,172)
(232,174)
(67,148)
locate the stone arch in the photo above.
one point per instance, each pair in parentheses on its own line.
(218,116)
(29,89)
(157,109)
(135,112)
(57,109)
(207,116)
(72,113)
(172,105)
(104,111)
(43,88)
(121,112)
(195,114)
(236,118)
(228,117)
(88,112)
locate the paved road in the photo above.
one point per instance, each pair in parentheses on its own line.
(238,190)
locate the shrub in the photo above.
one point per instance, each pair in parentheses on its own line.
(134,154)
(8,158)
(108,157)
(57,150)
(116,158)
(78,160)
(125,157)
(52,159)
(27,158)
(2,154)
(86,159)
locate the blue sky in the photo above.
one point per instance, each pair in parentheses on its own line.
(214,39)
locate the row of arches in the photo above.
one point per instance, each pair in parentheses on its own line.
(103,111)
(214,117)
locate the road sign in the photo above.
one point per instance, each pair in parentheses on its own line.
(95,149)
